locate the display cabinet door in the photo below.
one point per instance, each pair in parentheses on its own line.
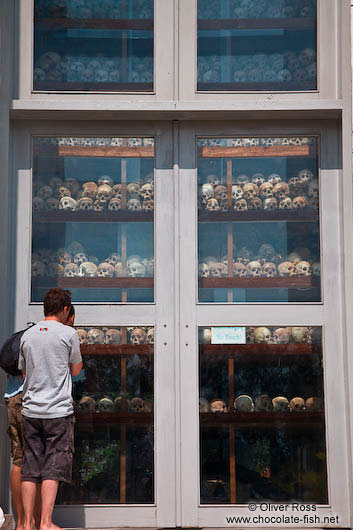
(261,356)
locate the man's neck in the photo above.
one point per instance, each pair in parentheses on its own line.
(52,317)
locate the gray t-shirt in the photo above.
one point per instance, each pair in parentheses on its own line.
(46,351)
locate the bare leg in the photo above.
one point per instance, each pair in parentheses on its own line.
(28,498)
(16,492)
(49,491)
(38,505)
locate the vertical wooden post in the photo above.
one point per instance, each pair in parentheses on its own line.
(230,228)
(232,478)
(123,225)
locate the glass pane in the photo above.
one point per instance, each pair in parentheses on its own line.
(256,45)
(93,218)
(113,398)
(89,45)
(258,211)
(262,422)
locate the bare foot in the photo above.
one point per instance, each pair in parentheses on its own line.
(52,526)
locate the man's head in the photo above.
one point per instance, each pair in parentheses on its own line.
(57,303)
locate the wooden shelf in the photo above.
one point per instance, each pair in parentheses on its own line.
(295,215)
(112,418)
(97,283)
(90,216)
(257,151)
(294,282)
(95,151)
(296,24)
(270,420)
(117,349)
(246,352)
(94,23)
(53,86)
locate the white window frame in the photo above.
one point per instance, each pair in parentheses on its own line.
(324,314)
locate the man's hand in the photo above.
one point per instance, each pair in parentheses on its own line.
(75,368)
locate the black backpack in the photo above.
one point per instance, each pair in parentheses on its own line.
(10,351)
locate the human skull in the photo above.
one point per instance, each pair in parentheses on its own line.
(105,405)
(269,270)
(250,335)
(243,403)
(295,186)
(239,270)
(61,192)
(87,270)
(136,405)
(82,335)
(258,179)
(213,180)
(80,258)
(114,204)
(205,335)
(212,205)
(263,403)
(89,190)
(104,193)
(281,190)
(86,404)
(112,336)
(218,270)
(280,404)
(237,192)
(105,180)
(113,258)
(307,56)
(286,269)
(220,193)
(101,76)
(150,336)
(136,269)
(286,204)
(242,179)
(133,190)
(303,268)
(71,270)
(250,191)
(55,269)
(38,269)
(218,405)
(274,179)
(240,205)
(255,204)
(262,336)
(300,334)
(300,202)
(95,336)
(134,205)
(64,258)
(148,206)
(313,404)
(204,405)
(45,192)
(138,336)
(204,270)
(306,176)
(282,335)
(266,190)
(118,191)
(147,191)
(105,270)
(85,203)
(297,404)
(270,203)
(68,203)
(73,185)
(38,204)
(253,269)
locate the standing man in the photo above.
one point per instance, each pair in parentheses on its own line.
(49,355)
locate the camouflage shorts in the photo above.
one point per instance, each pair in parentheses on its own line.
(48,449)
(14,411)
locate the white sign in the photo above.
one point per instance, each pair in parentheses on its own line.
(228,335)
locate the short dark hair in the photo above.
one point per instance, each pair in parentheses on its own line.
(55,300)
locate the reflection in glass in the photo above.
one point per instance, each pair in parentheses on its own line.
(262,426)
(258,211)
(93,211)
(89,45)
(113,399)
(256,45)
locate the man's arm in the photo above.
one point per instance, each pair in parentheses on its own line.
(75,368)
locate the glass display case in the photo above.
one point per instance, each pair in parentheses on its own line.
(84,45)
(254,45)
(114,432)
(262,422)
(93,218)
(258,220)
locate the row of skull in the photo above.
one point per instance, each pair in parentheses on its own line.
(273,335)
(136,335)
(263,403)
(64,264)
(258,9)
(106,404)
(256,269)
